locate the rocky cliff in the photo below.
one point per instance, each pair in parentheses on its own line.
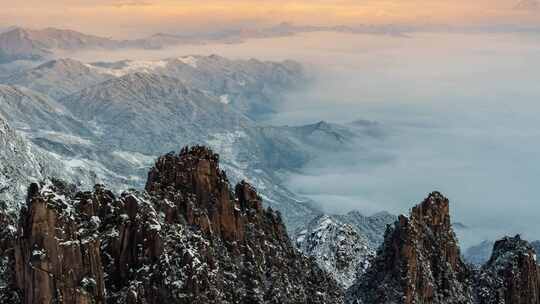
(419,261)
(511,275)
(188,239)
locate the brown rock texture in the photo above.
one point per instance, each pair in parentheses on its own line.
(419,261)
(8,235)
(511,275)
(57,253)
(187,239)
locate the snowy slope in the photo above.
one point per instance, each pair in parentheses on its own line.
(337,248)
(344,245)
(22,163)
(57,78)
(32,111)
(252,87)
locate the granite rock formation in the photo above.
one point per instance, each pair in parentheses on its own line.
(419,261)
(511,275)
(187,239)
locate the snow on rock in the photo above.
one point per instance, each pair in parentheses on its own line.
(224,99)
(337,248)
(134,158)
(511,275)
(189,60)
(189,236)
(129,66)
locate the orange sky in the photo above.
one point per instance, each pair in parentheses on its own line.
(124,18)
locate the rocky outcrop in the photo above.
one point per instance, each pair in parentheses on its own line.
(57,253)
(8,233)
(191,238)
(419,261)
(187,239)
(511,275)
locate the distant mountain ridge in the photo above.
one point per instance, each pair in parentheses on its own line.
(18,43)
(251,86)
(21,43)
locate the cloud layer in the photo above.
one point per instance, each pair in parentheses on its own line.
(138,18)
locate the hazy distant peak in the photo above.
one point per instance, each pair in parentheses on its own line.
(62,62)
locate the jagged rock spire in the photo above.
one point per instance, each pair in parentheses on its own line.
(188,239)
(511,275)
(419,261)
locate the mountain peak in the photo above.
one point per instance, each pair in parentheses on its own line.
(510,244)
(511,275)
(419,251)
(433,211)
(195,242)
(165,172)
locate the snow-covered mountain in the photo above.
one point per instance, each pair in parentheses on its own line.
(34,112)
(115,118)
(337,248)
(151,113)
(57,78)
(373,227)
(252,87)
(19,164)
(22,163)
(344,245)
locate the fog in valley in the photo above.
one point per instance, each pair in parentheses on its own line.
(459,114)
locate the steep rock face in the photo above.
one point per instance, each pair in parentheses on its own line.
(337,247)
(511,275)
(8,233)
(188,239)
(419,261)
(57,254)
(258,262)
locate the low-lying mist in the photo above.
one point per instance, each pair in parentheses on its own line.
(460,113)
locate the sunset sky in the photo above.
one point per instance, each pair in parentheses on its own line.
(142,17)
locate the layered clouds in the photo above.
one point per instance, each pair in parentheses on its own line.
(129,19)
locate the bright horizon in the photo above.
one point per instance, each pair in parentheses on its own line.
(126,19)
